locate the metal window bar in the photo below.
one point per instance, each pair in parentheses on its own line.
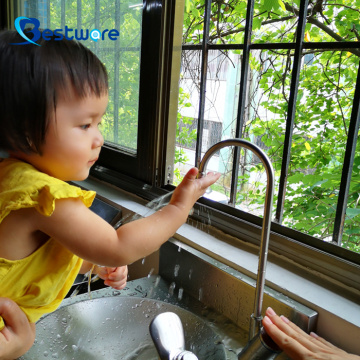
(63,14)
(242,98)
(116,75)
(203,76)
(48,23)
(97,21)
(348,165)
(294,85)
(78,15)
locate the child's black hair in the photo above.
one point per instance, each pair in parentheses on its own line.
(33,79)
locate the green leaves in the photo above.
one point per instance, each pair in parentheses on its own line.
(323,106)
(269,5)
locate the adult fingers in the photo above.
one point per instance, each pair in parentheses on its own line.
(18,335)
(326,344)
(13,316)
(289,345)
(295,334)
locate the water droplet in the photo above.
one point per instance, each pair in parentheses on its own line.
(200,294)
(180,294)
(176,270)
(172,288)
(157,281)
(150,272)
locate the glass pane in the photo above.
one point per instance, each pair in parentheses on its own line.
(323,113)
(264,125)
(120,53)
(222,89)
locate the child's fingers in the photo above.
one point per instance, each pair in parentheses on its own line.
(118,278)
(118,273)
(111,269)
(208,180)
(102,272)
(191,174)
(118,285)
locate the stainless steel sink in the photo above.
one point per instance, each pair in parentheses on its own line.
(116,327)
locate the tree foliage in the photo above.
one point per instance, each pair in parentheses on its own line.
(323,108)
(121,58)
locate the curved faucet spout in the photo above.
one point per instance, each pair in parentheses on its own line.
(255,320)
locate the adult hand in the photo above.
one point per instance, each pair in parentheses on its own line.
(18,335)
(297,344)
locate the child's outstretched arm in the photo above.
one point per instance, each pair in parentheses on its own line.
(155,229)
(18,335)
(90,237)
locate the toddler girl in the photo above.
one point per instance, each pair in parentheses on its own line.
(52,99)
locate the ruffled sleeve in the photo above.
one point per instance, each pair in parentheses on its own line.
(45,198)
(22,186)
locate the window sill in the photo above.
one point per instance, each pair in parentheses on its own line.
(339,315)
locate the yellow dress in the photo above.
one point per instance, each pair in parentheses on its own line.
(39,282)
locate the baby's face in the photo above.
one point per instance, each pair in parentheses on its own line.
(73,139)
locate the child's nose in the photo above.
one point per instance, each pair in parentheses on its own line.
(98,140)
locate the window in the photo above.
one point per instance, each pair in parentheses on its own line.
(189,73)
(130,54)
(285,76)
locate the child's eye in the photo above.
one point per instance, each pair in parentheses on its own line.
(85,126)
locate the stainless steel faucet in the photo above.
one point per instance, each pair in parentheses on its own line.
(257,348)
(168,336)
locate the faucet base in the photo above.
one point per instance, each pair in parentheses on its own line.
(260,347)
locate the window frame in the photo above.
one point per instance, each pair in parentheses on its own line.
(141,164)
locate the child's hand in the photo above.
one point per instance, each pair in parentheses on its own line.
(18,334)
(113,276)
(191,188)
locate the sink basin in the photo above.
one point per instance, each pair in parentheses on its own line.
(116,328)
